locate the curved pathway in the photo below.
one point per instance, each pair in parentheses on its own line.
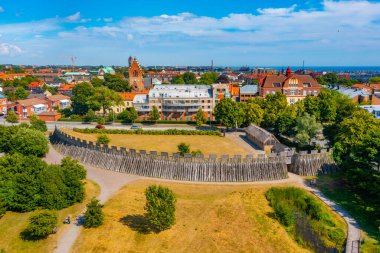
(109,182)
(353,229)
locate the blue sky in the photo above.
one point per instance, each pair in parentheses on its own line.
(166,32)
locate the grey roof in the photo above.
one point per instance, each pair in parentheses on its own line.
(248,89)
(353,92)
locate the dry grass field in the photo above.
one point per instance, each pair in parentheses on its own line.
(210,218)
(168,143)
(12,224)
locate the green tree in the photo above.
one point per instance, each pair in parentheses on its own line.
(104,98)
(327,105)
(160,207)
(306,128)
(82,92)
(3,207)
(183,148)
(189,78)
(103,139)
(21,93)
(11,117)
(38,124)
(28,142)
(200,117)
(375,79)
(154,114)
(273,105)
(129,115)
(89,116)
(94,215)
(311,104)
(40,225)
(229,113)
(97,82)
(253,113)
(116,83)
(178,80)
(101,121)
(209,78)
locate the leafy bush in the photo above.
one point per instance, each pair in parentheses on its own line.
(148,132)
(284,213)
(93,216)
(89,116)
(40,226)
(160,206)
(38,124)
(101,121)
(11,117)
(3,207)
(103,139)
(28,142)
(183,148)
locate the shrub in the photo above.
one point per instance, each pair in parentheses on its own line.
(11,117)
(101,121)
(89,116)
(284,214)
(28,142)
(93,216)
(24,125)
(103,139)
(3,207)
(183,148)
(160,206)
(196,152)
(38,124)
(40,226)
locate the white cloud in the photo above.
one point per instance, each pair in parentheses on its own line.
(277,11)
(74,17)
(9,49)
(107,20)
(1,9)
(129,37)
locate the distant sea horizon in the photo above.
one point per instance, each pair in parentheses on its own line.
(323,68)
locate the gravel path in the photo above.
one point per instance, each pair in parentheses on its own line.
(109,182)
(353,229)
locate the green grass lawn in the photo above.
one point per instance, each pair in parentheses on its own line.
(364,214)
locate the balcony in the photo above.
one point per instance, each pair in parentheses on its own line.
(173,110)
(142,109)
(181,104)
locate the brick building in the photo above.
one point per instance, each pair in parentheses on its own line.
(295,87)
(136,79)
(3,104)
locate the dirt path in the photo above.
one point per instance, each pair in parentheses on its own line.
(109,182)
(241,140)
(353,229)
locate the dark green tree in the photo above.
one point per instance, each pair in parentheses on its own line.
(209,78)
(253,113)
(229,113)
(306,128)
(178,80)
(190,78)
(82,92)
(160,207)
(93,216)
(40,226)
(89,116)
(21,93)
(28,142)
(104,98)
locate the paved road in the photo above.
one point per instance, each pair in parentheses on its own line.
(353,233)
(109,182)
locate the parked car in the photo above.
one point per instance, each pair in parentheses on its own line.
(134,127)
(98,126)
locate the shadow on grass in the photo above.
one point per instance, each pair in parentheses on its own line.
(26,236)
(138,223)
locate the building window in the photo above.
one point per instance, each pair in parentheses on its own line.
(292,92)
(305,92)
(315,92)
(273,92)
(299,92)
(268,92)
(286,92)
(292,101)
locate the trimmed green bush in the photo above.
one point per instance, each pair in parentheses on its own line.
(160,206)
(40,226)
(93,216)
(148,132)
(103,139)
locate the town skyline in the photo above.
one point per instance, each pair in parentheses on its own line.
(323,33)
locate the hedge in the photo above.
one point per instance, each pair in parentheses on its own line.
(148,132)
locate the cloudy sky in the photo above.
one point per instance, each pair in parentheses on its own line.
(191,32)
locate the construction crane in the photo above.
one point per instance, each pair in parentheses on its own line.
(72,59)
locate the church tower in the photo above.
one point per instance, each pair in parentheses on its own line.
(136,75)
